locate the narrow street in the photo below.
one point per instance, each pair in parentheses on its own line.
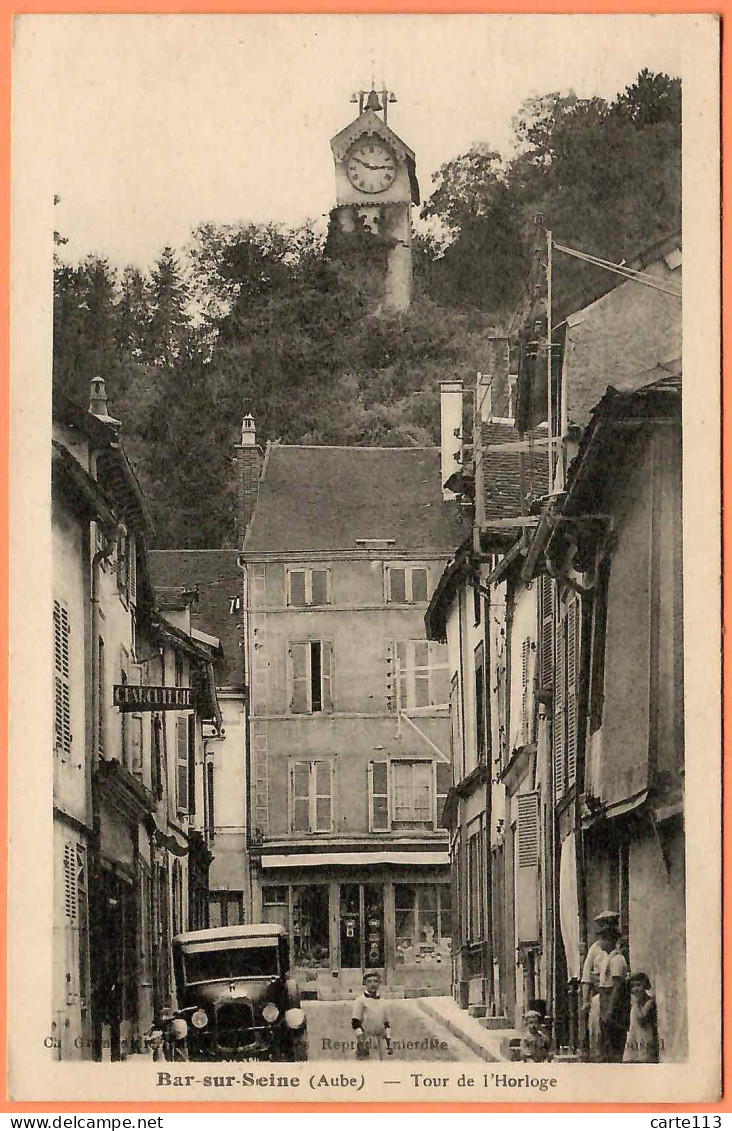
(416,1037)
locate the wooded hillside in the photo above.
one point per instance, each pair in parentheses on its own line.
(276,322)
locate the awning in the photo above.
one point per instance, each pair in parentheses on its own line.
(344,859)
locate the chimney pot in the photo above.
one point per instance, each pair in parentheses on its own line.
(98,397)
(248,431)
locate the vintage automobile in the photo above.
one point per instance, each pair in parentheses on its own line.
(236,994)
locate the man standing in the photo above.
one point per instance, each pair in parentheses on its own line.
(606,924)
(614,1003)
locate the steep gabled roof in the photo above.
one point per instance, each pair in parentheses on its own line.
(326,499)
(218,612)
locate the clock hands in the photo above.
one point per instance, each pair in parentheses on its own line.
(367,166)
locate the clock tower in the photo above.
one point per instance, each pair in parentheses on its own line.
(376,186)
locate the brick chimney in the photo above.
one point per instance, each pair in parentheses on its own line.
(248,459)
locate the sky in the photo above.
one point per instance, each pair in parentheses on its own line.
(163,122)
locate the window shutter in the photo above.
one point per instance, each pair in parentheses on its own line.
(156,768)
(419,584)
(132,571)
(525,651)
(559,779)
(100,696)
(191,764)
(397,580)
(443,782)
(136,727)
(70,884)
(546,632)
(326,670)
(300,797)
(210,799)
(378,797)
(391,688)
(323,776)
(296,583)
(527,828)
(572,661)
(182,737)
(62,689)
(319,587)
(401,652)
(300,656)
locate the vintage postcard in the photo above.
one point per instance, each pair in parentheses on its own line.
(365,555)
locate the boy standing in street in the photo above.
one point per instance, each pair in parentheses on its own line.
(370,1020)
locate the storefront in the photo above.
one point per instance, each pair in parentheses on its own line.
(343,920)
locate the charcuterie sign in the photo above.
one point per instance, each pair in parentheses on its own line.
(133,697)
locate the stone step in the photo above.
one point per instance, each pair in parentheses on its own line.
(495,1022)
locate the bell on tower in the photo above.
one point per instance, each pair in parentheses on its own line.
(376,185)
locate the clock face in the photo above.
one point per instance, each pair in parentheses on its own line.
(371,166)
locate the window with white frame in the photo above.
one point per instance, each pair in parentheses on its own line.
(407,794)
(406,584)
(311,676)
(308,586)
(417,674)
(311,796)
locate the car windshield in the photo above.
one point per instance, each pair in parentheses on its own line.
(233,962)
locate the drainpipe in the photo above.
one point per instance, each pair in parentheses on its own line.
(487,683)
(248,667)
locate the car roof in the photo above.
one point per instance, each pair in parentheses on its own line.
(248,931)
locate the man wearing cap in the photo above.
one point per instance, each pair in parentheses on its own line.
(607,934)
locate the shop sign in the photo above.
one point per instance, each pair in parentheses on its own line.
(133,697)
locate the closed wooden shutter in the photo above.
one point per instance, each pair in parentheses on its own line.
(391,689)
(525,657)
(419,584)
(70,885)
(62,687)
(378,797)
(546,632)
(191,764)
(559,691)
(319,587)
(182,752)
(132,572)
(527,861)
(296,595)
(573,612)
(397,585)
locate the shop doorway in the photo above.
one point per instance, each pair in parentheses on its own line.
(362,926)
